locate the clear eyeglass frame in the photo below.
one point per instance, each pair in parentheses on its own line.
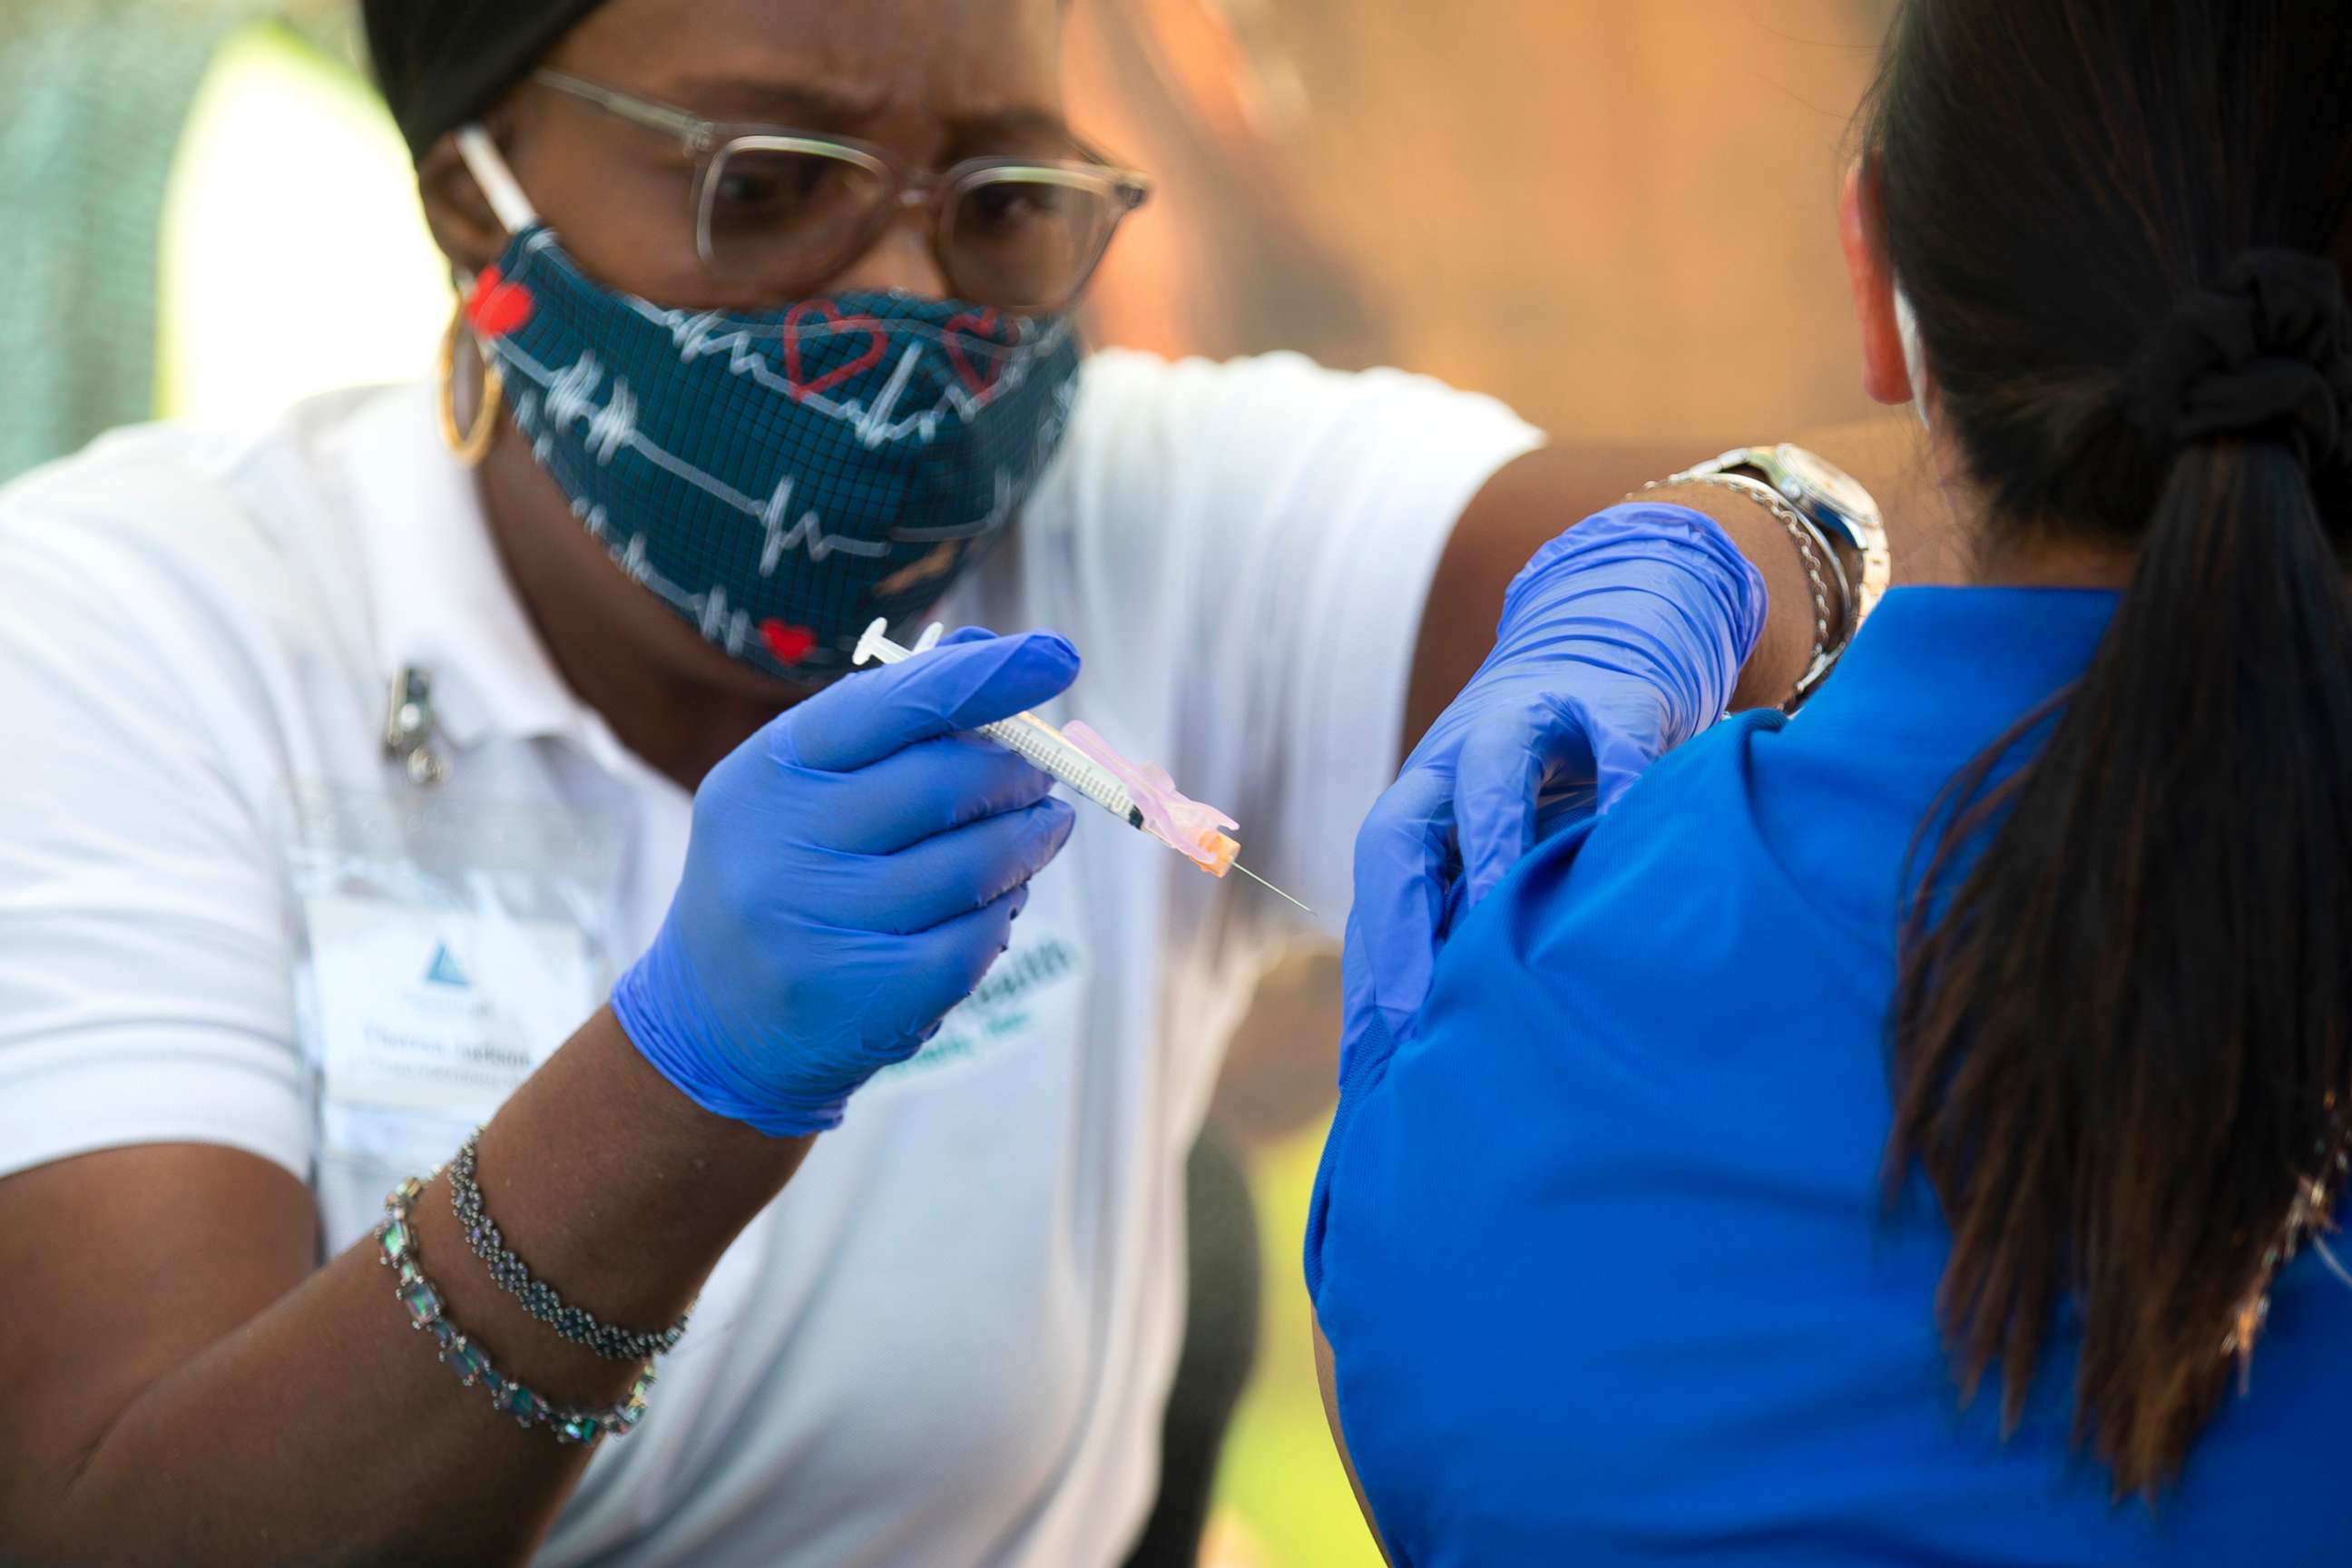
(714,144)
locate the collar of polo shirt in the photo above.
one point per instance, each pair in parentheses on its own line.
(439,600)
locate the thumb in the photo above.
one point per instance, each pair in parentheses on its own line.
(1404,863)
(1502,768)
(1619,759)
(959,685)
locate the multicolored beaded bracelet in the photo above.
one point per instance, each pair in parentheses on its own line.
(396,1243)
(512,1275)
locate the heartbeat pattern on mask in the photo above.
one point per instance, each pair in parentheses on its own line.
(769,477)
(708,334)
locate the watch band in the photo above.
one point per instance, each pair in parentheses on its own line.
(1835,502)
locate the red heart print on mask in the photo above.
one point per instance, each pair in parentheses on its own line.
(802,385)
(788,644)
(985,326)
(496,307)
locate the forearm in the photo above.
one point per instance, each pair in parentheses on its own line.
(323,1430)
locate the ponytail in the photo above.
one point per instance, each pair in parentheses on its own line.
(2119,1034)
(2121,1042)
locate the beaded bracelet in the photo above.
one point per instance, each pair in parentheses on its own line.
(396,1241)
(509,1274)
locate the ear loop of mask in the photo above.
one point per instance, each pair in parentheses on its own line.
(514,210)
(1914,355)
(498,181)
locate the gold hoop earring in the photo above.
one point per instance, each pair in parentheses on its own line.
(470,445)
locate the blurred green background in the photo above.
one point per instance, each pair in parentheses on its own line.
(1280,1483)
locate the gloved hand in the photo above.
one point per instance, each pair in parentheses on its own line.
(1621,637)
(855,869)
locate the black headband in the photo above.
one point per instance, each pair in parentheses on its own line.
(442,62)
(2268,348)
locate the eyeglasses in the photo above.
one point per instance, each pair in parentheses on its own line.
(790,210)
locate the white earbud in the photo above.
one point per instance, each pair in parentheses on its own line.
(1914,357)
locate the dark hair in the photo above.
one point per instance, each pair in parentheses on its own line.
(2122,1029)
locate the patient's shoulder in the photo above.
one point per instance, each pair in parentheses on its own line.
(1667,902)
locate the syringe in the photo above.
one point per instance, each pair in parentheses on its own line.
(1143,796)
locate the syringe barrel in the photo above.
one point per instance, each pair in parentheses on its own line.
(1025,735)
(1046,749)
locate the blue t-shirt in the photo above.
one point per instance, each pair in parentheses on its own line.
(1601,1252)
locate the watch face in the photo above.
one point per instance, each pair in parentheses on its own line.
(1829,482)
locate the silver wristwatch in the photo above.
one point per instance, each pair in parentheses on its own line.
(1830,499)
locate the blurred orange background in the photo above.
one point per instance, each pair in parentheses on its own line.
(1619,218)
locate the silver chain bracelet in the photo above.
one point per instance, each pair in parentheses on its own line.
(538,1298)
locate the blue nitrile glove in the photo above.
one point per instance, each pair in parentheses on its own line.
(1623,636)
(855,869)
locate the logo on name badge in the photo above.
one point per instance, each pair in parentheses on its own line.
(434,1010)
(445,970)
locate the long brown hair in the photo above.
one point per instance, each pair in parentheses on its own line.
(2122,1030)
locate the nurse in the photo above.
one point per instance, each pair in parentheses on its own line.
(358,754)
(1626,1248)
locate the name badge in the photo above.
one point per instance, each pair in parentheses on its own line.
(440,1010)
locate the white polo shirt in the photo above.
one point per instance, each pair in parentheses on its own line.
(950,1340)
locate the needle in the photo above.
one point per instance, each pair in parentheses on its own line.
(1270,887)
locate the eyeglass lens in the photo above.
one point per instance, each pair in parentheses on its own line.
(791,215)
(1024,239)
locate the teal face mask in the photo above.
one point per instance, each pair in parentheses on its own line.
(765,475)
